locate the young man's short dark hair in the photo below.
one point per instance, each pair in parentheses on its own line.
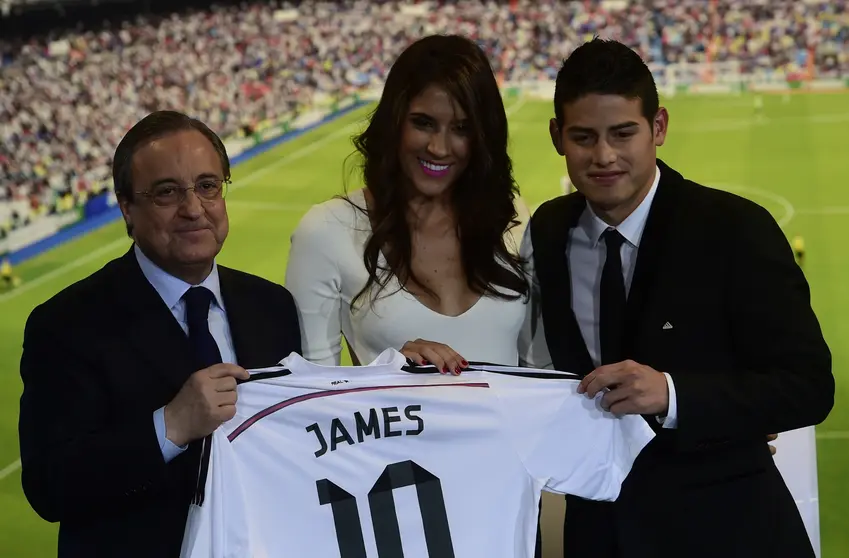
(605,67)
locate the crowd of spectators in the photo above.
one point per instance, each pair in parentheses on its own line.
(67,98)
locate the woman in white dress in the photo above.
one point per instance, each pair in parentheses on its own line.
(423,258)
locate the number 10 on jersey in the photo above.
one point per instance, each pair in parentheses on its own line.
(384,517)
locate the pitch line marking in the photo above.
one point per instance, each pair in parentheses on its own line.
(789,210)
(9,469)
(833,435)
(827,210)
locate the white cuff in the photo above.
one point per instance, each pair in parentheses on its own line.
(671,418)
(169,449)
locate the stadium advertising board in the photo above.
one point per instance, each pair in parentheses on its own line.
(38,229)
(237,146)
(100,204)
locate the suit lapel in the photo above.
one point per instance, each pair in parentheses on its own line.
(565,341)
(246,329)
(157,338)
(150,326)
(652,247)
(573,330)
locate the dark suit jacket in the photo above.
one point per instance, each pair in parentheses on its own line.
(98,359)
(747,358)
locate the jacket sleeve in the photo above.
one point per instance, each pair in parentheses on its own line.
(77,463)
(314,279)
(783,380)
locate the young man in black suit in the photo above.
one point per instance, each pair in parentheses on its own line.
(716,348)
(126,372)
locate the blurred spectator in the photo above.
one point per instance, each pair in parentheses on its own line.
(66,100)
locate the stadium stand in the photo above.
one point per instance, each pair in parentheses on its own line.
(67,96)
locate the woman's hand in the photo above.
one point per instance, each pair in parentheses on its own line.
(430,352)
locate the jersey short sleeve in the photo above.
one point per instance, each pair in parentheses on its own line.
(567,441)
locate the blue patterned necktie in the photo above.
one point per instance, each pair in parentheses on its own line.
(203,344)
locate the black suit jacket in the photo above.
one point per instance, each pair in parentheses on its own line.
(746,355)
(98,359)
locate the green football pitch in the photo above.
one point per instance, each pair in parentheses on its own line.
(792,159)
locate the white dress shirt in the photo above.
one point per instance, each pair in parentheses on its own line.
(171,290)
(586,254)
(325,271)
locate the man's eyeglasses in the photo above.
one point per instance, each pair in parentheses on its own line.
(207,190)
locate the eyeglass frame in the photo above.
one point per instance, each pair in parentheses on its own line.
(184,190)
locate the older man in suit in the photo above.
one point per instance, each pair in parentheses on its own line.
(680,303)
(129,370)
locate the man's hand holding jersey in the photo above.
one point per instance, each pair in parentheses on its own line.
(205,402)
(632,388)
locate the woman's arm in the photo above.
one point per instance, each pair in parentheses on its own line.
(313,278)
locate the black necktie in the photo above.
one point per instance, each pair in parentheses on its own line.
(612,303)
(206,354)
(205,348)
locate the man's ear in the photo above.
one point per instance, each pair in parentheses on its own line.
(661,125)
(556,137)
(124,204)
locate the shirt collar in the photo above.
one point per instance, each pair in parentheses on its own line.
(171,288)
(631,228)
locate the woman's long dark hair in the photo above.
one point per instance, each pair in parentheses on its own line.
(483,196)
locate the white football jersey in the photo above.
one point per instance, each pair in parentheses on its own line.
(379,461)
